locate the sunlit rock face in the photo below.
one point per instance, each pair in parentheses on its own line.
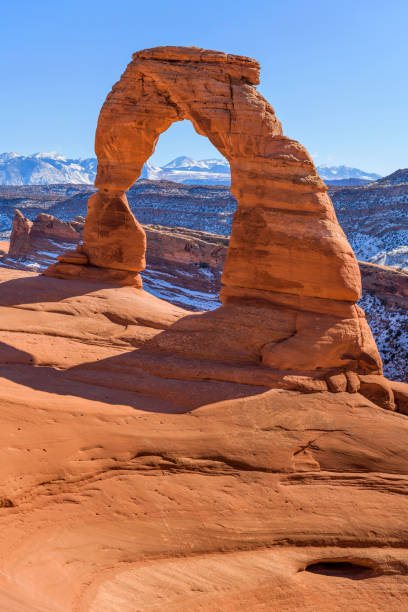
(283,210)
(287,258)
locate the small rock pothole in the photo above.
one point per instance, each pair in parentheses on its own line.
(341,569)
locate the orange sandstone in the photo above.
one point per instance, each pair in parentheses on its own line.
(132,479)
(287,255)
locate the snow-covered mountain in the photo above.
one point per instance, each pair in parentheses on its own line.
(51,168)
(190,171)
(337,173)
(44,169)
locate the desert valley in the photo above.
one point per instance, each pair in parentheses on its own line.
(204,397)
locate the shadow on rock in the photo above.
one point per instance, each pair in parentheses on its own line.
(34,289)
(119,380)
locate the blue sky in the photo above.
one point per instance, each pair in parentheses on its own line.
(335,72)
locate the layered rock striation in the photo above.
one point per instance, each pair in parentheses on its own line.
(138,480)
(289,269)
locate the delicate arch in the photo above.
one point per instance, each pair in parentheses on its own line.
(285,236)
(286,246)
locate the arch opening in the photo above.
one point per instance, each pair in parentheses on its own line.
(187,221)
(182,140)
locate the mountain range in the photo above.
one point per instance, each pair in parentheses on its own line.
(51,168)
(45,169)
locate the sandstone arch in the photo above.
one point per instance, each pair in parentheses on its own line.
(287,249)
(285,236)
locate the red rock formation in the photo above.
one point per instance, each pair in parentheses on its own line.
(47,225)
(113,238)
(27,236)
(177,259)
(156,459)
(184,246)
(287,252)
(284,213)
(4,247)
(181,245)
(20,236)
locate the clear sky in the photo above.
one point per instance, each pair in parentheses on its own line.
(335,71)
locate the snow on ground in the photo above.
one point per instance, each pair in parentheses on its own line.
(170,290)
(381,250)
(396,258)
(390,330)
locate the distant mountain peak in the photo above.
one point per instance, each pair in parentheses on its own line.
(48,155)
(183,160)
(10,155)
(50,168)
(345,172)
(398,177)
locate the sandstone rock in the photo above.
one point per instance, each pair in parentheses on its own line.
(20,236)
(286,244)
(180,245)
(337,383)
(386,283)
(377,389)
(74,270)
(73,257)
(305,384)
(120,226)
(47,225)
(400,391)
(281,199)
(112,236)
(353,382)
(134,479)
(30,236)
(4,248)
(183,246)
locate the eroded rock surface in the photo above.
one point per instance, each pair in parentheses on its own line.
(283,209)
(137,479)
(20,244)
(184,266)
(287,252)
